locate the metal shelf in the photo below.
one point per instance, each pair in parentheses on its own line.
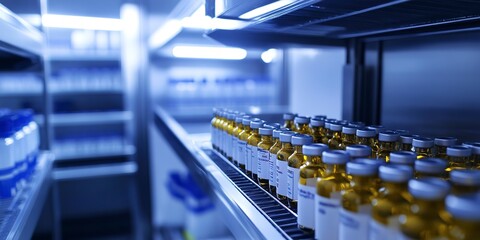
(20,214)
(126,151)
(85,56)
(18,37)
(252,212)
(73,119)
(88,172)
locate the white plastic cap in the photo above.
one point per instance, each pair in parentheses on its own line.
(445,141)
(430,165)
(407,138)
(286,136)
(465,177)
(376,128)
(246,121)
(403,157)
(475,148)
(388,136)
(256,124)
(361,169)
(422,142)
(428,188)
(358,150)
(315,149)
(459,151)
(316,122)
(289,116)
(465,207)
(349,129)
(365,132)
(335,157)
(276,132)
(336,127)
(266,131)
(395,173)
(376,162)
(302,120)
(301,139)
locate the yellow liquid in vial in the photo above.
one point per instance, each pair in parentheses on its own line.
(384,150)
(369,141)
(282,159)
(273,158)
(423,152)
(296,160)
(347,140)
(427,219)
(318,133)
(302,128)
(236,133)
(265,144)
(309,173)
(335,141)
(252,143)
(457,163)
(242,141)
(229,141)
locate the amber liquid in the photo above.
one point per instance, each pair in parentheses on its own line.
(392,201)
(303,129)
(423,153)
(426,219)
(265,144)
(274,150)
(371,142)
(311,170)
(243,136)
(282,155)
(347,140)
(296,160)
(253,141)
(385,149)
(335,141)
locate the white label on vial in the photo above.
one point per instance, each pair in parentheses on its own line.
(248,157)
(306,206)
(292,182)
(282,177)
(234,148)
(254,160)
(327,216)
(242,145)
(273,169)
(378,231)
(354,225)
(228,149)
(263,164)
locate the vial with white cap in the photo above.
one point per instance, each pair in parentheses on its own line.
(475,160)
(427,218)
(359,151)
(441,144)
(288,121)
(367,137)
(263,165)
(328,132)
(273,160)
(301,124)
(458,157)
(309,172)
(223,133)
(392,201)
(282,164)
(406,142)
(375,162)
(348,136)
(403,158)
(295,161)
(465,181)
(229,136)
(336,140)
(328,197)
(465,212)
(20,149)
(387,143)
(242,143)
(236,133)
(423,147)
(317,129)
(213,128)
(357,201)
(252,149)
(7,156)
(431,167)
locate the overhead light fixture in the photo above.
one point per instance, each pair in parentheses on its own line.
(81,22)
(198,20)
(266,9)
(207,52)
(165,33)
(269,55)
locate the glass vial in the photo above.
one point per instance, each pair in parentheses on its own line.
(263,156)
(465,212)
(348,136)
(430,167)
(282,164)
(403,158)
(458,157)
(387,143)
(295,161)
(359,151)
(423,147)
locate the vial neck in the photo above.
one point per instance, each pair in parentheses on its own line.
(302,127)
(288,124)
(286,145)
(387,145)
(362,182)
(266,138)
(348,137)
(298,148)
(317,160)
(247,129)
(336,135)
(335,168)
(427,208)
(395,188)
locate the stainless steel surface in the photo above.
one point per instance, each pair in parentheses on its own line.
(126,151)
(90,118)
(19,215)
(247,221)
(88,172)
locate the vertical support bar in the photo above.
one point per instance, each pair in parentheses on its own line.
(371,86)
(352,79)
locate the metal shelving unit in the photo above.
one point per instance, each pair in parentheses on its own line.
(252,211)
(127,151)
(19,215)
(103,170)
(91,118)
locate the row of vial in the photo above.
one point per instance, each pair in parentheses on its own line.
(347,181)
(19,147)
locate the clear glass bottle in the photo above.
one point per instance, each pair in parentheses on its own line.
(229,136)
(406,142)
(475,161)
(263,165)
(392,201)
(273,160)
(348,136)
(359,151)
(465,181)
(224,128)
(317,129)
(295,161)
(301,125)
(441,144)
(367,137)
(374,162)
(236,134)
(387,143)
(309,172)
(213,128)
(282,164)
(328,197)
(220,130)
(465,212)
(336,140)
(356,202)
(431,167)
(288,121)
(427,218)
(252,149)
(242,143)
(403,158)
(458,157)
(328,133)
(423,147)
